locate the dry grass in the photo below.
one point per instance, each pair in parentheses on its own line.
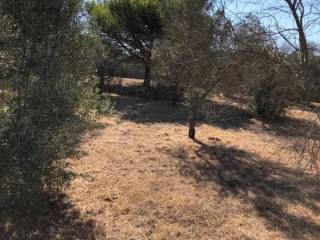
(142,178)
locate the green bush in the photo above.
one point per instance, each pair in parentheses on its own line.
(275,92)
(50,102)
(42,130)
(270,102)
(38,135)
(92,104)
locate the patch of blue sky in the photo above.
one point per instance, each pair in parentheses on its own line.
(274,14)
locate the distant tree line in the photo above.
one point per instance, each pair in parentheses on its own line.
(213,53)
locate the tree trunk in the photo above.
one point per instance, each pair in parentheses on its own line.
(304,50)
(100,74)
(101,84)
(147,74)
(192,125)
(176,96)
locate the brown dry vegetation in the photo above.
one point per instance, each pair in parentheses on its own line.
(140,177)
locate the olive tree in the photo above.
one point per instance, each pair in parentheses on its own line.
(190,54)
(49,63)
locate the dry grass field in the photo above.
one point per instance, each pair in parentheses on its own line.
(140,177)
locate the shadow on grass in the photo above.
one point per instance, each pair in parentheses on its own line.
(138,104)
(156,93)
(141,110)
(267,186)
(295,127)
(228,115)
(133,105)
(60,220)
(27,209)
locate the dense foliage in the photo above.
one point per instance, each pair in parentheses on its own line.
(131,25)
(48,101)
(189,55)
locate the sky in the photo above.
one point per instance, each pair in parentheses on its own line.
(237,8)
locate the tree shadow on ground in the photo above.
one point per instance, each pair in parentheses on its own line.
(60,220)
(141,110)
(228,115)
(295,127)
(42,214)
(133,105)
(267,186)
(232,115)
(140,104)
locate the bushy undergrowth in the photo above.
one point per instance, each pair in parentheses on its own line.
(156,92)
(41,130)
(48,57)
(92,104)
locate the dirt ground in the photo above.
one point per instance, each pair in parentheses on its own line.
(140,177)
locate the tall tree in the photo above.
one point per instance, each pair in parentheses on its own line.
(132,25)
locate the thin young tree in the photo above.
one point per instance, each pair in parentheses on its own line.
(189,54)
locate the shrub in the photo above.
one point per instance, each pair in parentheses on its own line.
(270,101)
(50,103)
